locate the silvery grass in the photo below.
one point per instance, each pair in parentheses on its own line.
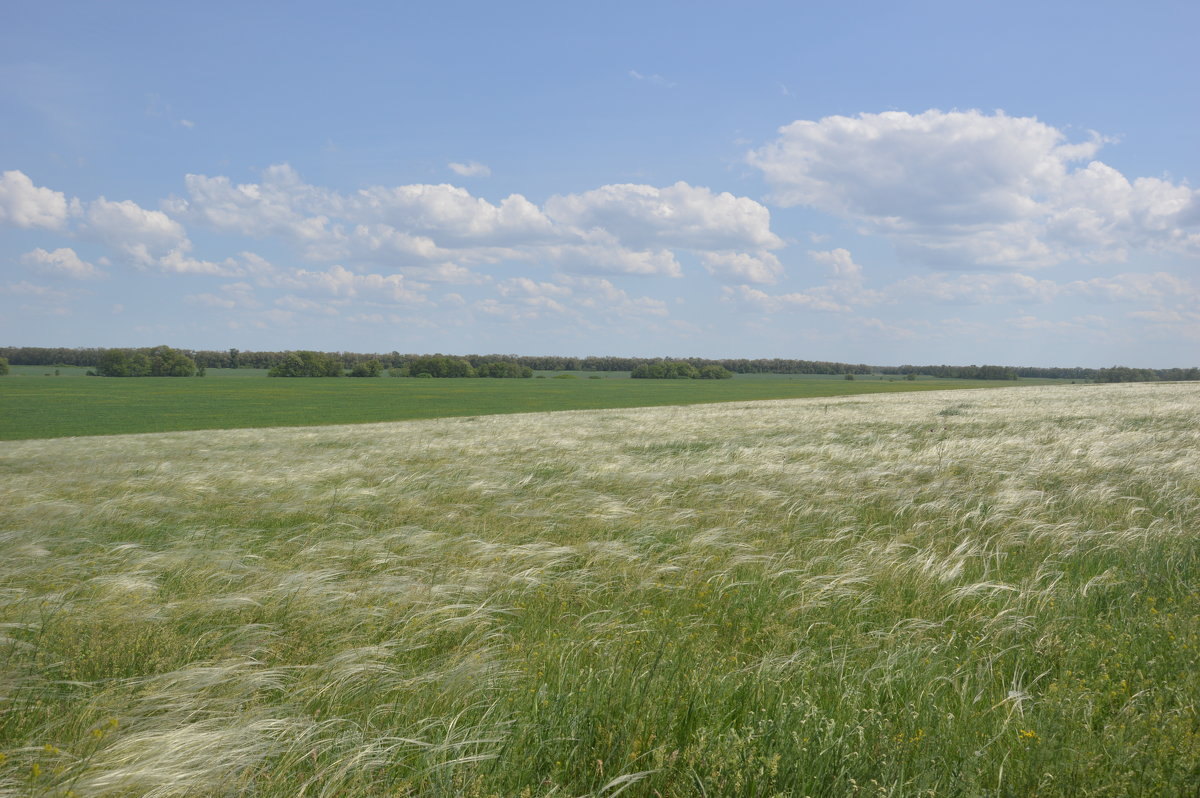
(954,593)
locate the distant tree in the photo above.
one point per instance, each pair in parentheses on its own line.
(714,372)
(290,366)
(911,377)
(3,366)
(367,368)
(503,369)
(306,364)
(1125,374)
(139,364)
(160,361)
(850,377)
(168,362)
(114,363)
(441,366)
(665,370)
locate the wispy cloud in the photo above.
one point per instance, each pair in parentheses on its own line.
(470,169)
(653,80)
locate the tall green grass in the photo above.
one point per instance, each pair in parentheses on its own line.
(950,594)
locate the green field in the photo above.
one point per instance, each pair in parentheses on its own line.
(35,406)
(925,595)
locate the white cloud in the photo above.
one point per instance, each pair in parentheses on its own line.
(972,190)
(763,302)
(282,204)
(470,169)
(442,231)
(679,216)
(527,287)
(603,254)
(62,262)
(846,279)
(600,293)
(339,282)
(845,271)
(139,233)
(452,214)
(743,267)
(148,239)
(23,204)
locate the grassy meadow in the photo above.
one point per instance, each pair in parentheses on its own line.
(959,593)
(36,404)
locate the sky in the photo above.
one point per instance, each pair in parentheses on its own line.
(876,182)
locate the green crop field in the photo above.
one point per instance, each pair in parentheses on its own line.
(35,406)
(967,593)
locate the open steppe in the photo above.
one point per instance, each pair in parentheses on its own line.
(947,593)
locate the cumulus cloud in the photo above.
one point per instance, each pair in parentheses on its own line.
(281,204)
(385,245)
(680,216)
(743,267)
(62,262)
(148,239)
(846,279)
(451,214)
(844,286)
(974,190)
(22,204)
(470,169)
(602,253)
(618,229)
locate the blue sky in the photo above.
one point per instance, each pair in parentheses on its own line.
(867,182)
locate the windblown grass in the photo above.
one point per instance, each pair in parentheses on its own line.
(950,594)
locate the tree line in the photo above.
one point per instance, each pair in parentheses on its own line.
(158,361)
(679,370)
(375,364)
